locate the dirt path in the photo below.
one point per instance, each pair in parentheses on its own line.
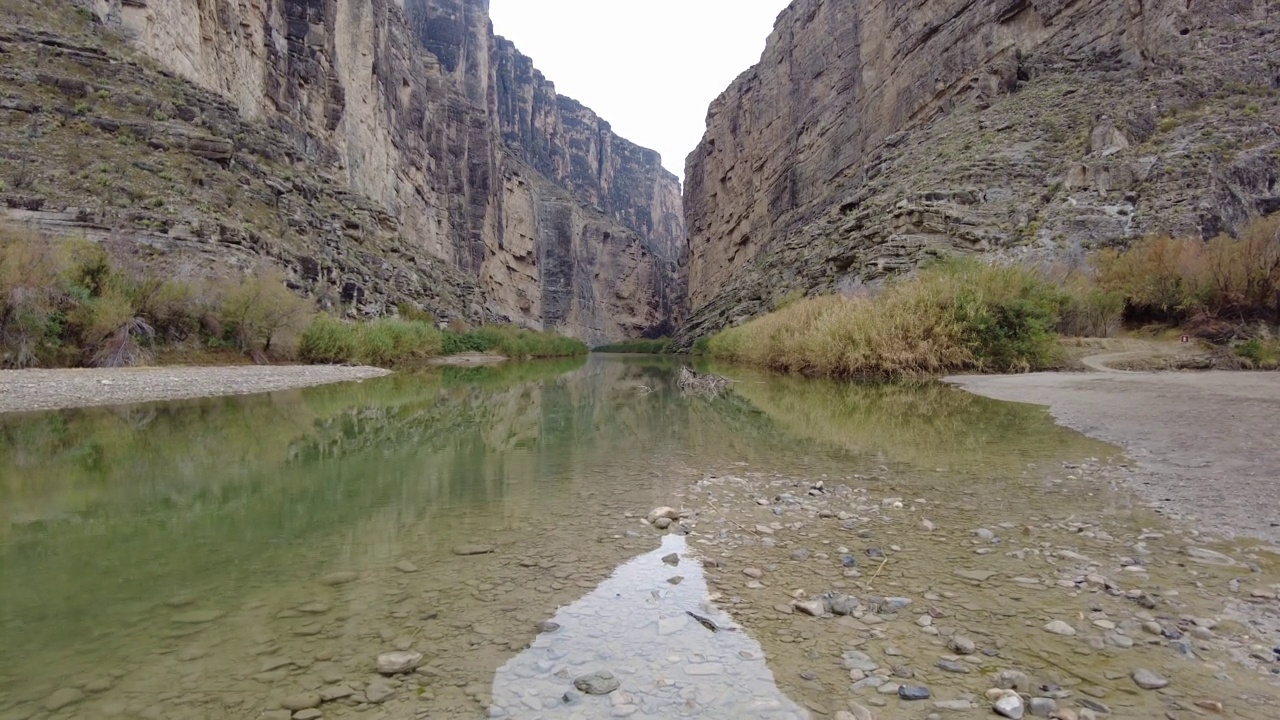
(1204,442)
(29,390)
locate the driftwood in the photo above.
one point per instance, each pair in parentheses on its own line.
(708,385)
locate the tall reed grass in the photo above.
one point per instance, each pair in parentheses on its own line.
(958,315)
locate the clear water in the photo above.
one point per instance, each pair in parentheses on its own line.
(217,558)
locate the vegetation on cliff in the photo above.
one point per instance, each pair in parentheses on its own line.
(657,346)
(961,315)
(64,303)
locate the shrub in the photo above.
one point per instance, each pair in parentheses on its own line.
(1169,280)
(958,315)
(512,342)
(1260,354)
(385,342)
(329,341)
(261,310)
(659,346)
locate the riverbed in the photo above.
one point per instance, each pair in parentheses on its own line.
(830,551)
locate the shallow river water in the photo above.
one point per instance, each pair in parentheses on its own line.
(838,550)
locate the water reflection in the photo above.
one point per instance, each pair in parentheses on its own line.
(637,626)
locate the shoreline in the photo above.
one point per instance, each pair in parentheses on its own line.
(1200,441)
(23,391)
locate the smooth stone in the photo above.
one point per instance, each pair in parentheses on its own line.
(914,692)
(753,573)
(952,666)
(546,626)
(601,682)
(335,692)
(395,663)
(962,645)
(1010,706)
(62,698)
(406,567)
(1043,707)
(310,714)
(1148,679)
(976,575)
(1209,557)
(662,512)
(856,660)
(339,578)
(468,550)
(814,608)
(662,523)
(672,559)
(953,705)
(378,692)
(301,701)
(198,617)
(1058,627)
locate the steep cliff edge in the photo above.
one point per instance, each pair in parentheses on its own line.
(479,165)
(873,135)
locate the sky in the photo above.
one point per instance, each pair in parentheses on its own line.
(649,67)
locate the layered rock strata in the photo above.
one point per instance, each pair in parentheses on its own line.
(874,135)
(481,165)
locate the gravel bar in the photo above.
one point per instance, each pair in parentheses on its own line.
(33,390)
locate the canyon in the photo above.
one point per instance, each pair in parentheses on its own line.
(874,136)
(395,154)
(469,188)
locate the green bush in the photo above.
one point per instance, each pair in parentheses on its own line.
(512,342)
(956,315)
(1260,354)
(659,346)
(386,342)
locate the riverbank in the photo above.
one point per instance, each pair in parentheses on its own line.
(1202,442)
(34,390)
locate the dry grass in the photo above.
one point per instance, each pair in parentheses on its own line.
(956,316)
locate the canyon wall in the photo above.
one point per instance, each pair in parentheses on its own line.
(482,165)
(875,134)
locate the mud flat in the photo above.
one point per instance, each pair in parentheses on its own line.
(32,390)
(1202,441)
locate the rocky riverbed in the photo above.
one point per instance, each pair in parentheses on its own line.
(574,548)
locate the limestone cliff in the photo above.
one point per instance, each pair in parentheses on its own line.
(478,163)
(874,134)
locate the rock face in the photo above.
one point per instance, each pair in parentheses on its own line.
(416,105)
(873,135)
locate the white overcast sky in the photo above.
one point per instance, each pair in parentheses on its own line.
(649,67)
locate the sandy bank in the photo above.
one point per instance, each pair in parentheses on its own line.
(27,390)
(1205,442)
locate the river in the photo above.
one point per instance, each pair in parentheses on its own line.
(252,557)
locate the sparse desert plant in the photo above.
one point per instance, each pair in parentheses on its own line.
(261,315)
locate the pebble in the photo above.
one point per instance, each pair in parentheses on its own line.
(309,714)
(1058,627)
(378,692)
(301,701)
(672,559)
(952,666)
(395,663)
(1148,679)
(914,692)
(63,698)
(406,567)
(601,682)
(1043,706)
(468,550)
(1010,706)
(753,573)
(962,645)
(339,578)
(812,607)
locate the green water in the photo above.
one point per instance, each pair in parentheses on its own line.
(178,560)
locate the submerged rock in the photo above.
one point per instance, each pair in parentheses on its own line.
(601,682)
(395,663)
